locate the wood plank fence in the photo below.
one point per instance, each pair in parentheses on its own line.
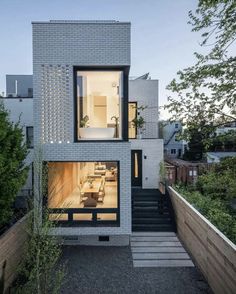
(12,244)
(211,250)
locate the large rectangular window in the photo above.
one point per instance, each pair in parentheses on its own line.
(99,104)
(83,191)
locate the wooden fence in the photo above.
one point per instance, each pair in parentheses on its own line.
(212,251)
(12,244)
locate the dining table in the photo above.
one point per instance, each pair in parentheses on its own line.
(94,189)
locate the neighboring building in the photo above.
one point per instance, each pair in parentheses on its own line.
(215,157)
(226,128)
(172,146)
(81,119)
(19,86)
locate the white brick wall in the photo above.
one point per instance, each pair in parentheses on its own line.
(57,47)
(145,92)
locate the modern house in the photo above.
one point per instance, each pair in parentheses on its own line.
(83,108)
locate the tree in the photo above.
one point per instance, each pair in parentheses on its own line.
(206,92)
(13,171)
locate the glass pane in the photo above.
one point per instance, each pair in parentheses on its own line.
(82,185)
(132,115)
(58,216)
(99,101)
(106,216)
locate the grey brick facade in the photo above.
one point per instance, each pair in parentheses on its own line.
(58,46)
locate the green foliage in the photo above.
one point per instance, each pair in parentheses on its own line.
(212,195)
(139,122)
(219,183)
(13,172)
(40,271)
(162,171)
(214,210)
(205,93)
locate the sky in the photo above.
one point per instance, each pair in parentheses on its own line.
(161,40)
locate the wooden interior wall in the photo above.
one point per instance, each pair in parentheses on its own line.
(62,180)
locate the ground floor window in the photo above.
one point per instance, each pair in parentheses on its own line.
(83,191)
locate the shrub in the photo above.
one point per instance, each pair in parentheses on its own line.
(13,172)
(215,210)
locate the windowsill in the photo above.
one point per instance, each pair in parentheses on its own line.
(99,140)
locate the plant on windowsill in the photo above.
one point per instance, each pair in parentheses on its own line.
(84,123)
(116,118)
(139,124)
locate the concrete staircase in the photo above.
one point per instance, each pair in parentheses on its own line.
(158,249)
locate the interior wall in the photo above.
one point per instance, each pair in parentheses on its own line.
(62,180)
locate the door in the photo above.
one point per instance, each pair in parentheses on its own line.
(136,168)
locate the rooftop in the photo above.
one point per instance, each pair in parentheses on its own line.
(81,22)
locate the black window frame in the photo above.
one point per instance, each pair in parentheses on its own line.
(125,70)
(29,146)
(94,211)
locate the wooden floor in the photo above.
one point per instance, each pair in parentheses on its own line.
(158,249)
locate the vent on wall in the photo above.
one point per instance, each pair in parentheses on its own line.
(103,238)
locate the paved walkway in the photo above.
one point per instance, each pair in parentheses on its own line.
(109,270)
(158,249)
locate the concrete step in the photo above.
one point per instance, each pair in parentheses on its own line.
(159,220)
(155,244)
(163,263)
(158,249)
(159,256)
(153,238)
(151,234)
(152,227)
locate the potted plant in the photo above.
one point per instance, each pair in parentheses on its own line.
(139,122)
(162,182)
(84,123)
(116,118)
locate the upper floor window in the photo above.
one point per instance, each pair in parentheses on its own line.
(29,137)
(99,104)
(173,151)
(132,116)
(176,126)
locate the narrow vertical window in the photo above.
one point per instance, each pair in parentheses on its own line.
(29,137)
(132,116)
(136,165)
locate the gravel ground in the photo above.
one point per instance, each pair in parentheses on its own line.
(110,270)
